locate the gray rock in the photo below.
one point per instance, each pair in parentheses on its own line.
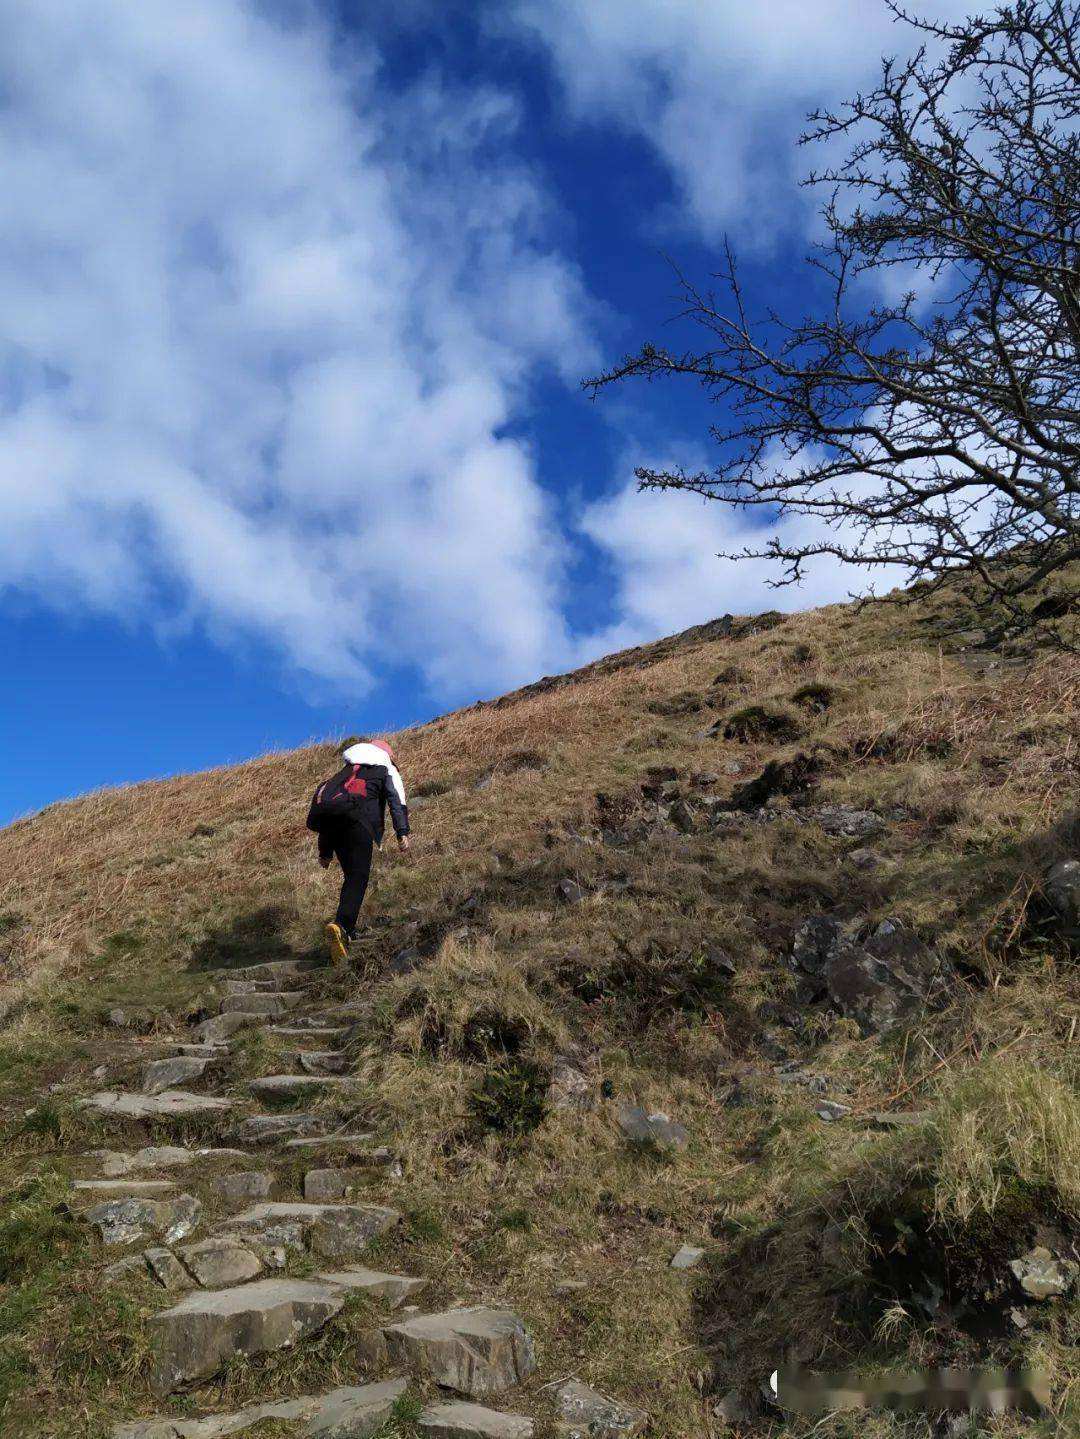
(223,1026)
(122,1221)
(273,1128)
(733,1409)
(98,1189)
(845,821)
(244,1186)
(201,1051)
(327,1033)
(308,1407)
(111,1162)
(275,1005)
(140,1021)
(687,1257)
(329,1186)
(322,1061)
(461,1420)
(1042,1275)
(882,982)
(132,1266)
(304,970)
(285,1086)
(335,1231)
(829,1110)
(171,1104)
(167,1269)
(393,1288)
(571,1088)
(200,1334)
(569,891)
(475,1352)
(356,1413)
(162,1074)
(264,985)
(220,1261)
(1063,891)
(645,1128)
(360,1142)
(585,1414)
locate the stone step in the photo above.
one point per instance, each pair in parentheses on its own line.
(170,1104)
(275,1005)
(322,1020)
(97,1189)
(279,1128)
(284,1086)
(334,1231)
(304,969)
(393,1288)
(199,1335)
(307,1032)
(223,1026)
(316,1142)
(162,1074)
(476,1352)
(221,1261)
(115,1164)
(122,1221)
(351,1412)
(459,1419)
(322,1061)
(199,1051)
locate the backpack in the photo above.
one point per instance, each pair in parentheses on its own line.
(337,798)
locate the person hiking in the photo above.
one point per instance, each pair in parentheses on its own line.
(348,812)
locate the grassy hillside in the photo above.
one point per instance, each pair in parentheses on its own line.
(611,884)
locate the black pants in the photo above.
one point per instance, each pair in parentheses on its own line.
(353,846)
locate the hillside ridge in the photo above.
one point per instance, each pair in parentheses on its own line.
(737,965)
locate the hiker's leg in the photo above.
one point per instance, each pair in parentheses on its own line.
(354,855)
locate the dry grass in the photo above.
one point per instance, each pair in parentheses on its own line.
(975,772)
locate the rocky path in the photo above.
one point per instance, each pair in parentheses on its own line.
(254,1268)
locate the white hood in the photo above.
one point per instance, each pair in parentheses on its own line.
(372,754)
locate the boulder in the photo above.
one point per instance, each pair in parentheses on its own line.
(687,1257)
(132,1266)
(476,1352)
(1063,891)
(162,1074)
(220,1261)
(845,821)
(393,1288)
(568,891)
(335,1231)
(585,1414)
(645,1128)
(462,1420)
(200,1334)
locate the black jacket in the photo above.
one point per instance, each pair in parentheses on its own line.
(381,788)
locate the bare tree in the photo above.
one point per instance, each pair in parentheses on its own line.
(926,433)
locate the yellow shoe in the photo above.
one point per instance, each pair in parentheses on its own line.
(339,946)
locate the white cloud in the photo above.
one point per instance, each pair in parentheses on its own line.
(664,548)
(720,90)
(264,322)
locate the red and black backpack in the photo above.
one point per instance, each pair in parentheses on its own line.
(337,797)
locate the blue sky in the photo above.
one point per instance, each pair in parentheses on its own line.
(297,298)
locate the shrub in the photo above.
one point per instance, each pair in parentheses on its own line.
(762,721)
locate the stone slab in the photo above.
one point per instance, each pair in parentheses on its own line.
(375,1398)
(335,1231)
(171,1104)
(200,1334)
(393,1288)
(461,1420)
(476,1352)
(275,1005)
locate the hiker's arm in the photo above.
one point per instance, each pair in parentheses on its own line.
(395,797)
(326,850)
